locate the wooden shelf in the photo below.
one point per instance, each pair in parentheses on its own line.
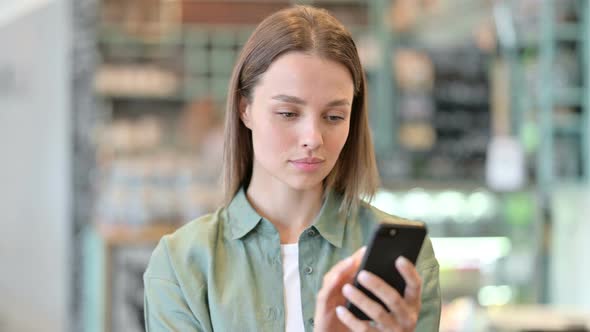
(224,12)
(133,235)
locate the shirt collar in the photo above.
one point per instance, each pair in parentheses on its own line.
(242,218)
(330,223)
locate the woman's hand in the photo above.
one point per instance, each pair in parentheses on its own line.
(330,295)
(331,315)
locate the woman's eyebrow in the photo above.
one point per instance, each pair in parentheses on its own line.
(339,102)
(299,101)
(289,99)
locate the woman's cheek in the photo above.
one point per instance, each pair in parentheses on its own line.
(340,139)
(280,138)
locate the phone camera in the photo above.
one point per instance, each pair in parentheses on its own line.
(392,232)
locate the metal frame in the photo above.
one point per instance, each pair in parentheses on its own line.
(382,89)
(585,117)
(548,99)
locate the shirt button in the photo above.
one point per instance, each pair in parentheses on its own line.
(308,270)
(311,233)
(310,321)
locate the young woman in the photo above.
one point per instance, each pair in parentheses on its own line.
(282,253)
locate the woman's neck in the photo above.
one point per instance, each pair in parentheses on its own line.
(291,211)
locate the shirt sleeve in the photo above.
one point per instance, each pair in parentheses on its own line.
(429,318)
(428,268)
(165,305)
(165,308)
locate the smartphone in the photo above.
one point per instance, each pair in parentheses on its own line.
(388,242)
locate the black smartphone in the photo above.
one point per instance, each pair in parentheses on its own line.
(388,242)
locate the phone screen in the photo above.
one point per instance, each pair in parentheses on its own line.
(390,241)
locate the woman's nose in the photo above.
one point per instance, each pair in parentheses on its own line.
(311,137)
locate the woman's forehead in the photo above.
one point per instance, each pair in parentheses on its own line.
(299,74)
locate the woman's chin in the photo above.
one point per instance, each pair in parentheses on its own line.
(305,184)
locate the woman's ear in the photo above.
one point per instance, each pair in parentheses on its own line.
(245,112)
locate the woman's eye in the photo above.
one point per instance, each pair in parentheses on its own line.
(288,114)
(334,118)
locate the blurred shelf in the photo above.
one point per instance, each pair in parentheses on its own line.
(336,2)
(568,129)
(564,32)
(117,36)
(568,124)
(118,234)
(526,318)
(451,253)
(215,12)
(569,97)
(568,32)
(137,81)
(228,12)
(458,184)
(176,98)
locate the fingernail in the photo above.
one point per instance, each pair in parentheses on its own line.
(401,261)
(346,289)
(340,310)
(363,276)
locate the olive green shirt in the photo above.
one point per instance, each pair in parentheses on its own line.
(223,271)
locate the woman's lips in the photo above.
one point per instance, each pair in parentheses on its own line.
(308,164)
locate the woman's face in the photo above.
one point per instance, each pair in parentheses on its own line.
(299,115)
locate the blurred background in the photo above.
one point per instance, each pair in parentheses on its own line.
(111,115)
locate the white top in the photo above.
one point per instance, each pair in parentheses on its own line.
(292,288)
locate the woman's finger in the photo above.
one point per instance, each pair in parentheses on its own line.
(388,295)
(346,265)
(413,281)
(339,274)
(357,256)
(337,270)
(333,279)
(353,323)
(371,308)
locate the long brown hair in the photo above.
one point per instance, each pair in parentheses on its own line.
(311,30)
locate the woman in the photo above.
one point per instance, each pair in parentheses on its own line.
(282,253)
